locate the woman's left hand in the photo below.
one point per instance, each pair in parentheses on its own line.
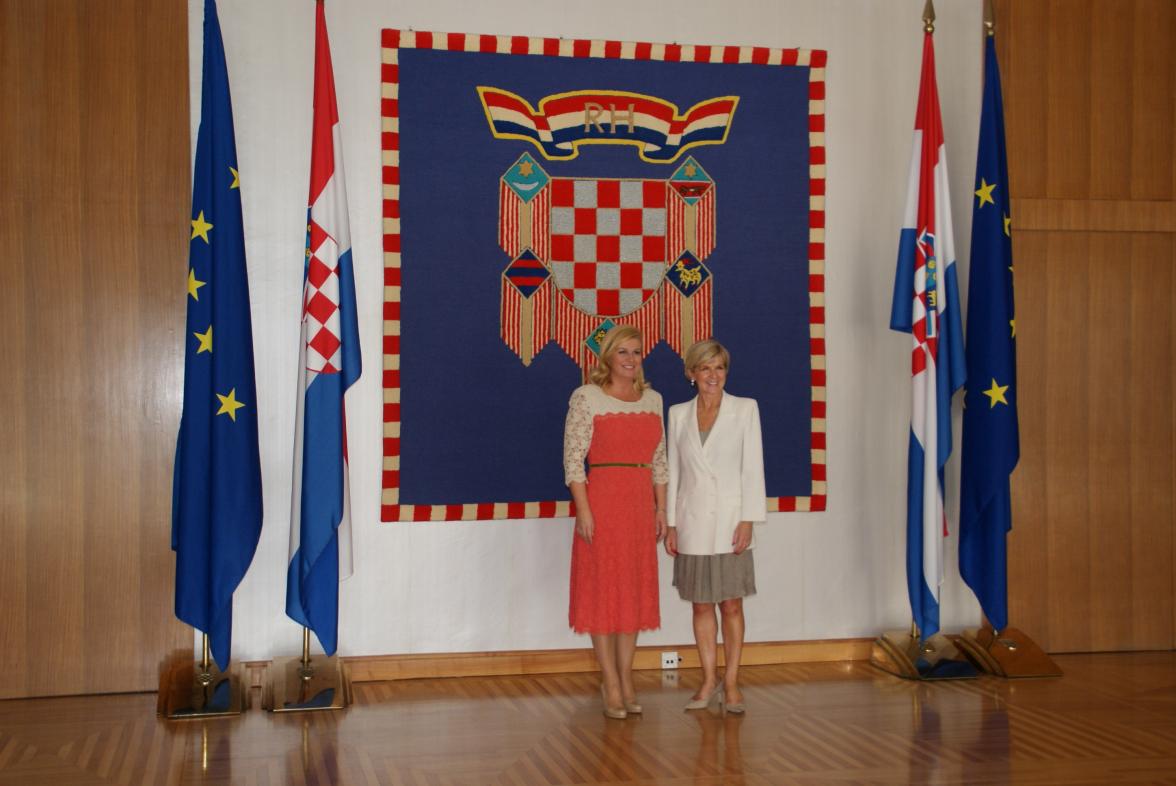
(663,527)
(742,538)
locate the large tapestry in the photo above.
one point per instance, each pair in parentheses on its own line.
(537,192)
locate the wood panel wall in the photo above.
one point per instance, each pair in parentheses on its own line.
(94,179)
(1090,101)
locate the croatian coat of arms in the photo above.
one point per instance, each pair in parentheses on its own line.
(590,253)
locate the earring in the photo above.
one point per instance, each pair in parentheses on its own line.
(693,384)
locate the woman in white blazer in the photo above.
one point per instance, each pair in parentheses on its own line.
(716,491)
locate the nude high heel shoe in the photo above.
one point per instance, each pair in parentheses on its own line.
(735,708)
(705,701)
(616,713)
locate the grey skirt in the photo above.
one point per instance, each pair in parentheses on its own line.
(711,578)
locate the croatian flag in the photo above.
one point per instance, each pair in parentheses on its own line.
(927,305)
(329,362)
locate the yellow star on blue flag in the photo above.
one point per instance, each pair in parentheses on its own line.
(200,227)
(984,193)
(996,394)
(229,405)
(205,340)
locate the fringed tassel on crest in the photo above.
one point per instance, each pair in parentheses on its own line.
(647,319)
(524,225)
(688,319)
(571,329)
(510,208)
(704,224)
(687,293)
(539,221)
(525,316)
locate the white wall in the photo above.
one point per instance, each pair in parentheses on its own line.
(457,587)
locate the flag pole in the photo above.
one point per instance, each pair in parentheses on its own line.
(216,483)
(191,688)
(205,675)
(306,670)
(320,512)
(906,653)
(1005,651)
(298,684)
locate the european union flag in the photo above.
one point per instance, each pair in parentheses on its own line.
(216,491)
(991,443)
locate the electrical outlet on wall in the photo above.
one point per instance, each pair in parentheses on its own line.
(670,660)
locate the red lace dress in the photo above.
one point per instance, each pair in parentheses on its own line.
(614,585)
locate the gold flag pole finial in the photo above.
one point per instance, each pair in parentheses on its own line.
(989,18)
(929,17)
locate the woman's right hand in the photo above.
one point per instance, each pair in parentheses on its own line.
(672,541)
(585,525)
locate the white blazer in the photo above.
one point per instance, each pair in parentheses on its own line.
(715,486)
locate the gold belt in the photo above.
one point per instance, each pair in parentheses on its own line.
(619,464)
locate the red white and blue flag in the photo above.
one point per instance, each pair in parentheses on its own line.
(329,363)
(927,305)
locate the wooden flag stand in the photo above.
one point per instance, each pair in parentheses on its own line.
(198,689)
(904,654)
(301,685)
(1011,654)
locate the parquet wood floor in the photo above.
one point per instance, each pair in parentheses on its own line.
(1111,719)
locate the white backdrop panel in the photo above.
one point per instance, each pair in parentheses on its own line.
(487,586)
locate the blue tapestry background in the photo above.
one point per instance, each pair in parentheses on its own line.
(476,425)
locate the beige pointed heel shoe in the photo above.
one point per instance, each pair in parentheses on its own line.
(705,701)
(616,713)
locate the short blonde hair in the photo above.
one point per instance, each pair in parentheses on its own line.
(704,352)
(602,374)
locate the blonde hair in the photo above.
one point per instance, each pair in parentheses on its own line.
(703,352)
(602,374)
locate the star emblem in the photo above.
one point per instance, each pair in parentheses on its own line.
(229,405)
(985,193)
(525,168)
(200,227)
(1008,226)
(236,179)
(205,340)
(194,284)
(996,394)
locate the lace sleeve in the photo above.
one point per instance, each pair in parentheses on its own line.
(661,467)
(577,437)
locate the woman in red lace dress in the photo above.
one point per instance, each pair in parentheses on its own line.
(615,424)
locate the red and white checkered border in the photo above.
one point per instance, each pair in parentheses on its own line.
(394,40)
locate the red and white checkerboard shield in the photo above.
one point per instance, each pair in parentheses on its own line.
(608,243)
